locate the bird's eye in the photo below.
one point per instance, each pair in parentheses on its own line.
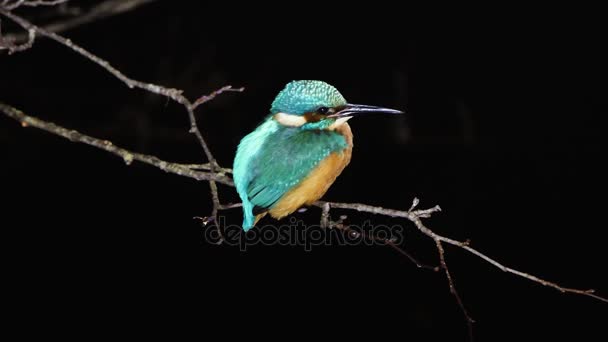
(323,110)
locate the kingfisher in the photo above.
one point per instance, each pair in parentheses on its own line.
(293,157)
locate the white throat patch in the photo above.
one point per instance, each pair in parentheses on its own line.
(339,122)
(289,120)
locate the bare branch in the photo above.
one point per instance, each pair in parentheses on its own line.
(325,215)
(453,290)
(35,3)
(207,98)
(409,256)
(206,167)
(231,206)
(413,214)
(6,44)
(171,93)
(100,11)
(465,246)
(327,223)
(12,6)
(127,156)
(415,217)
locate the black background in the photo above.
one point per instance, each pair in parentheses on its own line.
(505,130)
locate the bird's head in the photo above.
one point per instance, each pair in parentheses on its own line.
(311,104)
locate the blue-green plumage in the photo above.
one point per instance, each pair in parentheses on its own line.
(301,97)
(298,135)
(245,162)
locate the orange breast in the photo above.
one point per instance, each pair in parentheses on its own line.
(316,184)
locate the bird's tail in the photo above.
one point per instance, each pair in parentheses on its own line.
(250,220)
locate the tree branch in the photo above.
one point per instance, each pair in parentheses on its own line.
(444,267)
(7,44)
(32,3)
(170,93)
(415,217)
(326,222)
(186,170)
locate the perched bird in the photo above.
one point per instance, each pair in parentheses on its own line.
(292,158)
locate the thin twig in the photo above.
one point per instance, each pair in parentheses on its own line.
(453,291)
(327,223)
(213,166)
(8,44)
(12,6)
(325,208)
(207,167)
(31,3)
(391,244)
(207,98)
(100,11)
(410,257)
(230,206)
(34,3)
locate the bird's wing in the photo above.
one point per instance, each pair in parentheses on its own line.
(278,168)
(275,172)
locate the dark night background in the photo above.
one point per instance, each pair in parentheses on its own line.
(505,131)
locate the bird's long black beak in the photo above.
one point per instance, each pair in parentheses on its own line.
(357,109)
